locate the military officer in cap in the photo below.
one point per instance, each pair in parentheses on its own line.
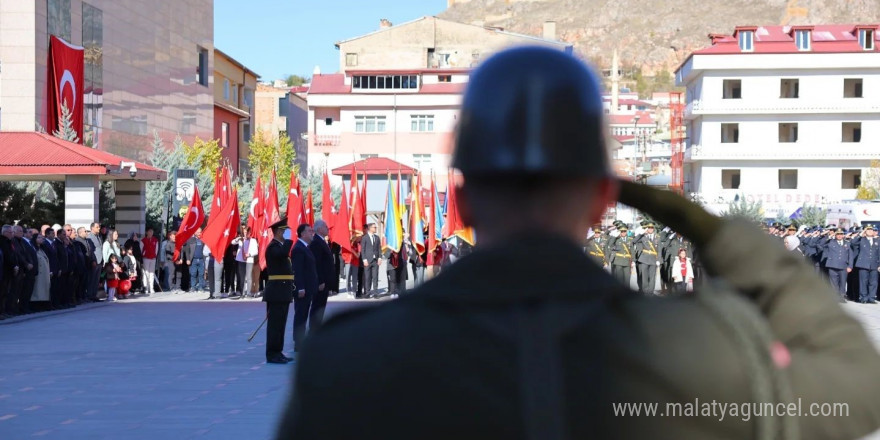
(838,262)
(493,348)
(647,258)
(595,247)
(278,292)
(866,254)
(620,256)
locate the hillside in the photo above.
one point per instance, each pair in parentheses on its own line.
(653,34)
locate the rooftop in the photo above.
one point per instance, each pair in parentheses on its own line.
(373,166)
(837,38)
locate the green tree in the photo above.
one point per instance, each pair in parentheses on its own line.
(315,182)
(812,215)
(296,80)
(742,208)
(268,154)
(181,156)
(870,185)
(204,156)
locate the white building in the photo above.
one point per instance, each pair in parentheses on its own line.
(399,91)
(782,114)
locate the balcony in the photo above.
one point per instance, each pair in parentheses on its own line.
(324,140)
(778,106)
(787,151)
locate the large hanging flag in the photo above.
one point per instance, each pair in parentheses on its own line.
(66,85)
(417,221)
(191,222)
(393,228)
(328,213)
(310,212)
(295,214)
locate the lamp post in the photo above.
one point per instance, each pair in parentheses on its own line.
(635,153)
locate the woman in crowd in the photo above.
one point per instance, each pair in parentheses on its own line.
(132,268)
(112,271)
(42,284)
(111,245)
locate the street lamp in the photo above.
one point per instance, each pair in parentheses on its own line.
(635,153)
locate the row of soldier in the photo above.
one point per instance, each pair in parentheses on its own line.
(848,258)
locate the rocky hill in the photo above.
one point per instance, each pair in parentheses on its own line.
(653,35)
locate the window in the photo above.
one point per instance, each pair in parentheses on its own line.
(351,59)
(282,106)
(851,179)
(866,39)
(789,88)
(224,134)
(58,19)
(852,132)
(732,89)
(729,133)
(444,78)
(852,88)
(369,124)
(385,82)
(788,132)
(422,123)
(202,72)
(235,94)
(226,89)
(246,132)
(422,160)
(93,73)
(788,179)
(802,39)
(746,40)
(328,121)
(730,179)
(368,156)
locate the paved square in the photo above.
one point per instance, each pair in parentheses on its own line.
(167,367)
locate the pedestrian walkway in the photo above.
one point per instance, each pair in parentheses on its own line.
(169,366)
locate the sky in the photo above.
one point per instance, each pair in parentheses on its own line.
(275,38)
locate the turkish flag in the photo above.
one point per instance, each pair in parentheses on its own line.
(256,209)
(216,234)
(295,211)
(341,234)
(65,85)
(328,214)
(270,217)
(191,222)
(310,212)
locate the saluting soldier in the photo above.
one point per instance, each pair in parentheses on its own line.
(595,248)
(620,256)
(278,292)
(647,259)
(866,256)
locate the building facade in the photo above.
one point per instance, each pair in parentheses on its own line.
(234,93)
(282,110)
(147,68)
(399,92)
(784,115)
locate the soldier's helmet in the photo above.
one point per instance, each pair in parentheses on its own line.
(532,111)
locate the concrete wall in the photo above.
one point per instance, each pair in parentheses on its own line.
(231,151)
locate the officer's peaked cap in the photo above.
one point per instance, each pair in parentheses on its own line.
(279,224)
(532,111)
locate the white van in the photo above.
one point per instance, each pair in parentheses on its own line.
(851,213)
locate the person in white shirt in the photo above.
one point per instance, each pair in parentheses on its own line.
(247,249)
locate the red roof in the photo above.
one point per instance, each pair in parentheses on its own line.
(635,102)
(374,166)
(38,154)
(780,39)
(439,71)
(623,138)
(333,83)
(645,118)
(299,89)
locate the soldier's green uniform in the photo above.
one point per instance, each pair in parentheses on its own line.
(647,255)
(595,250)
(620,257)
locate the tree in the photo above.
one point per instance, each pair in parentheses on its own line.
(812,215)
(183,156)
(65,128)
(742,208)
(268,154)
(870,185)
(296,80)
(315,182)
(204,156)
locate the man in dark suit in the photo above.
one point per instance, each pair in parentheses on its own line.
(305,284)
(326,271)
(61,276)
(396,268)
(278,293)
(29,254)
(52,254)
(838,261)
(866,256)
(11,269)
(371,257)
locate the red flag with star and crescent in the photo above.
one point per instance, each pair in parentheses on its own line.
(295,214)
(271,215)
(328,211)
(192,221)
(310,212)
(216,231)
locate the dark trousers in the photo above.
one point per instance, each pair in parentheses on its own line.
(868,284)
(276,313)
(647,275)
(353,281)
(185,280)
(229,274)
(679,287)
(210,271)
(665,283)
(838,280)
(64,289)
(11,285)
(24,295)
(94,279)
(371,277)
(622,274)
(301,308)
(397,280)
(55,290)
(240,275)
(852,285)
(418,275)
(316,311)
